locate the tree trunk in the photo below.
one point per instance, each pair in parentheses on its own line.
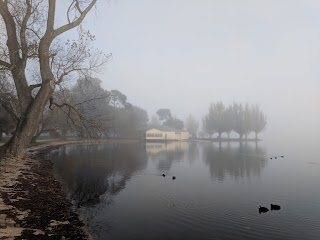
(240,136)
(35,137)
(29,123)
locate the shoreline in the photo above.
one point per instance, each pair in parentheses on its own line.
(32,202)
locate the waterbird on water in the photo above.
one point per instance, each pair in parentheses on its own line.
(173,178)
(263,209)
(282,156)
(275,207)
(163,175)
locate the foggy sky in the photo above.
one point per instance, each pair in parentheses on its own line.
(185,54)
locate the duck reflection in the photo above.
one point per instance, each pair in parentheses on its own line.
(85,180)
(236,160)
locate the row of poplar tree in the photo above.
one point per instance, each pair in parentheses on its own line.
(240,118)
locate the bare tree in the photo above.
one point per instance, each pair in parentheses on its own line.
(31,39)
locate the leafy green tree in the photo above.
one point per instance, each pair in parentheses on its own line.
(174,123)
(86,105)
(164,114)
(238,115)
(126,122)
(248,121)
(214,121)
(118,99)
(192,125)
(207,123)
(259,120)
(242,119)
(170,121)
(228,120)
(218,115)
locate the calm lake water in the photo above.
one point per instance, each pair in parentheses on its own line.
(121,193)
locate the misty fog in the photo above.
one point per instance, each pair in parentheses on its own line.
(160,119)
(184,55)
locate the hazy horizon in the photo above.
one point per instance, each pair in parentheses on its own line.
(183,55)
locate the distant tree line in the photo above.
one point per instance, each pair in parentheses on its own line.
(239,118)
(168,120)
(85,110)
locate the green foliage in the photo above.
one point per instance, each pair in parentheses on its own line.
(192,125)
(242,119)
(174,123)
(94,112)
(165,114)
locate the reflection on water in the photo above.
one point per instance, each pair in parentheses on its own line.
(121,194)
(89,171)
(239,161)
(157,147)
(166,153)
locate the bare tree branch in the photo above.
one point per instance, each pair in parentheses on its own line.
(23,40)
(10,111)
(31,87)
(5,64)
(76,22)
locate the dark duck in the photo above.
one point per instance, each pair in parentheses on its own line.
(263,209)
(275,207)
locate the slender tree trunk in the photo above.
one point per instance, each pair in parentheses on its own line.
(29,123)
(256,136)
(35,137)
(240,136)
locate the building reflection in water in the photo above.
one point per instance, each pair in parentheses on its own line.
(166,153)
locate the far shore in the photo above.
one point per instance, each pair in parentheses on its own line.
(43,142)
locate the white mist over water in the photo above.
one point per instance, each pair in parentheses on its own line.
(183,55)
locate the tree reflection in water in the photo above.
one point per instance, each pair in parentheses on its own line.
(85,180)
(93,174)
(236,160)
